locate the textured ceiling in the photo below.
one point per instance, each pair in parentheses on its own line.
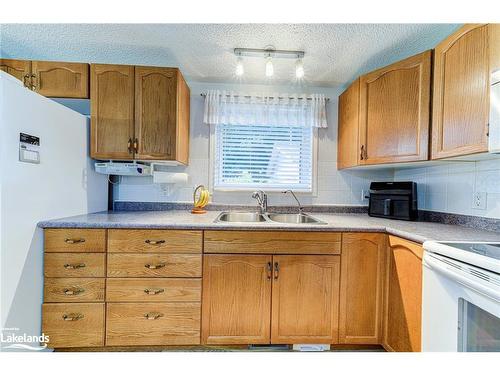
(335,53)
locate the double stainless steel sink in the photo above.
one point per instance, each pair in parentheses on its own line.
(256,217)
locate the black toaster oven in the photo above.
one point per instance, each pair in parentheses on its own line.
(393,200)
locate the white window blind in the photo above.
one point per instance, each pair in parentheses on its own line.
(263,157)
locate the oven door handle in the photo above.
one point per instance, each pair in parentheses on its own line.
(441,267)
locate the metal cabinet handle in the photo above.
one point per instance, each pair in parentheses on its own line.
(153,315)
(72,316)
(362,152)
(34,82)
(74,240)
(154,242)
(74,266)
(154,266)
(153,291)
(25,81)
(73,291)
(276,270)
(129,146)
(269,270)
(136,145)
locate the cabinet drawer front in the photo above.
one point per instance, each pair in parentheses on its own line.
(75,240)
(73,290)
(153,324)
(256,242)
(154,265)
(153,290)
(154,241)
(74,265)
(73,324)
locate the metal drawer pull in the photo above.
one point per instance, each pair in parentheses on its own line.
(276,270)
(153,315)
(74,240)
(155,242)
(154,266)
(269,270)
(154,291)
(73,291)
(74,266)
(72,316)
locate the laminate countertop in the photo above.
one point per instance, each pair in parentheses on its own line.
(415,231)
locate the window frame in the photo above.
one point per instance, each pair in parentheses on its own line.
(211,169)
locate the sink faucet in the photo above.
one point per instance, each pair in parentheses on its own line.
(261,200)
(296,199)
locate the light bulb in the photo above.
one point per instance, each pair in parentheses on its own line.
(269,67)
(239,67)
(299,69)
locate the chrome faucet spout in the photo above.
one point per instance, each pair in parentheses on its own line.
(296,199)
(261,197)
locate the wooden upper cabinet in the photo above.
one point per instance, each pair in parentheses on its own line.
(394,112)
(461,93)
(305,299)
(155,112)
(21,69)
(236,306)
(60,79)
(112,111)
(348,127)
(139,113)
(403,318)
(362,286)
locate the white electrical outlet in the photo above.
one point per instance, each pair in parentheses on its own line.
(479,200)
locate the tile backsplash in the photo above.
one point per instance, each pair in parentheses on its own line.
(449,187)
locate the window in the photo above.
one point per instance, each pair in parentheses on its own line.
(247,157)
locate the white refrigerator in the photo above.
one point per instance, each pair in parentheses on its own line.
(62,183)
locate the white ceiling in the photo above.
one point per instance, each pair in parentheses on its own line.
(335,53)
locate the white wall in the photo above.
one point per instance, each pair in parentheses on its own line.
(450,187)
(334,187)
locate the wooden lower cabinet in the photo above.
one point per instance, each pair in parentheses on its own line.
(362,286)
(71,325)
(236,299)
(238,291)
(153,324)
(305,299)
(403,319)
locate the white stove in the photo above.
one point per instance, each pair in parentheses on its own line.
(461,296)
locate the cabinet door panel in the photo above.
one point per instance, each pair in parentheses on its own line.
(236,299)
(461,93)
(16,68)
(348,150)
(112,111)
(60,79)
(155,112)
(305,299)
(394,112)
(404,296)
(361,293)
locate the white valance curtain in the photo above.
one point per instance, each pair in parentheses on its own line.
(228,108)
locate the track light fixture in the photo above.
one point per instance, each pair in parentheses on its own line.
(269,53)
